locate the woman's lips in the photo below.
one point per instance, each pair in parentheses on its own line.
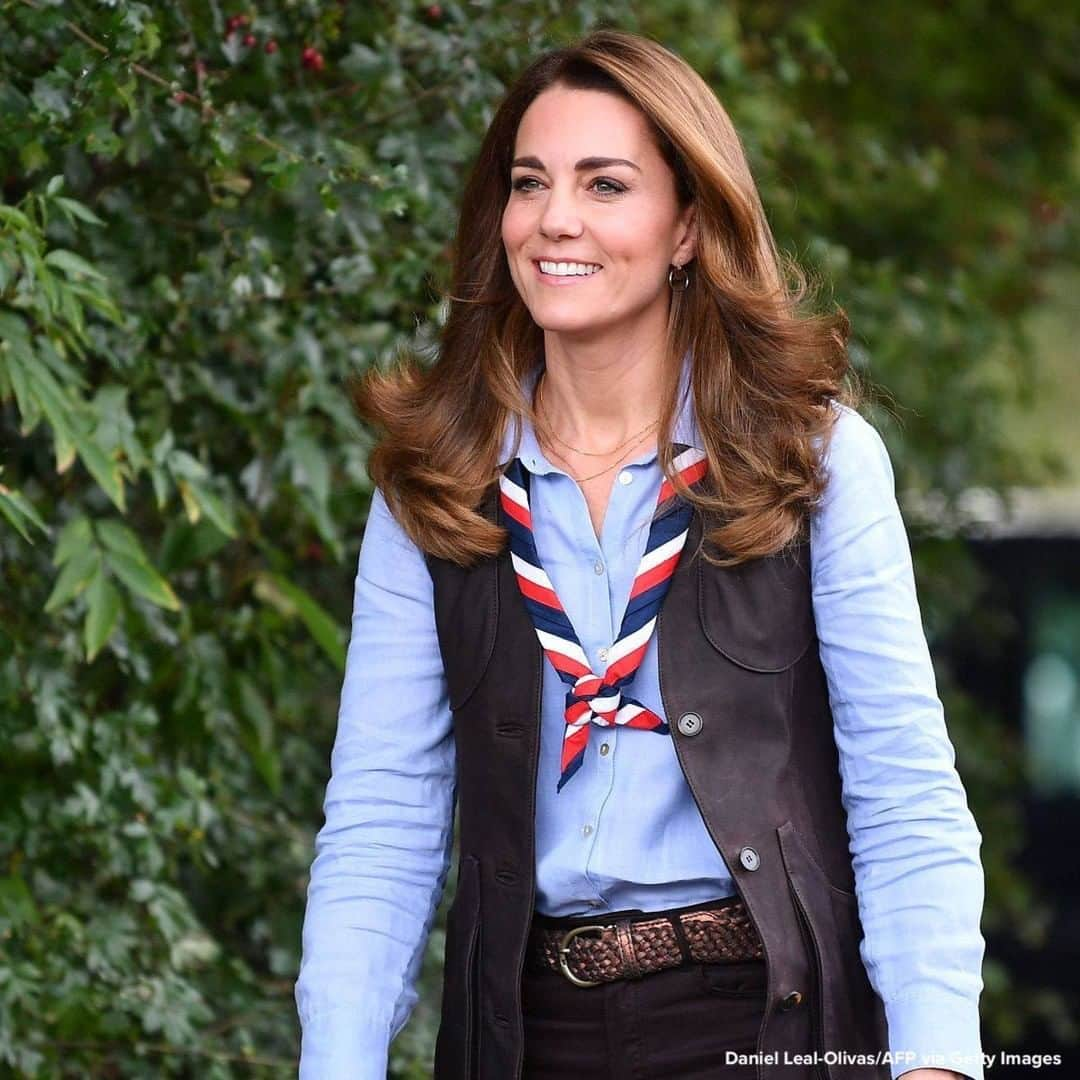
(564,279)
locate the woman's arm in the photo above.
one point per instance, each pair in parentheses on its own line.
(914,842)
(383,853)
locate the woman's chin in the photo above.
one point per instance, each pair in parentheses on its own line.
(569,322)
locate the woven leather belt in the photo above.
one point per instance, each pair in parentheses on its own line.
(629,946)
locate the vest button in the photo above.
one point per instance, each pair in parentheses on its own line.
(749,858)
(689,723)
(789,1001)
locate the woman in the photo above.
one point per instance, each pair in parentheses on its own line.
(636,598)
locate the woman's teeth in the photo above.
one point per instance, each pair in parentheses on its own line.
(568,269)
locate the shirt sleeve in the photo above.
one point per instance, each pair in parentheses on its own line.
(383,853)
(914,842)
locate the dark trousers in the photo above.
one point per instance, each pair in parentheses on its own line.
(676,1024)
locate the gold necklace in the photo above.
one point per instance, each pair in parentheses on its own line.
(583,479)
(548,430)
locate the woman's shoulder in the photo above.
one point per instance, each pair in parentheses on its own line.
(855,461)
(853,441)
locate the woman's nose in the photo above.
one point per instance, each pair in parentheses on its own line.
(560,216)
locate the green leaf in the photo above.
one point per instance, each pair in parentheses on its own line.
(311,466)
(259,734)
(104,469)
(199,500)
(17,907)
(291,600)
(72,264)
(139,576)
(16,218)
(34,403)
(330,200)
(19,512)
(98,300)
(284,177)
(74,537)
(74,577)
(117,537)
(126,556)
(103,607)
(78,210)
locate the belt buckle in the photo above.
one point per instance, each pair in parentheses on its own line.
(564,953)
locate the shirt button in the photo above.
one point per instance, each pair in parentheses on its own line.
(603,749)
(626,477)
(602,653)
(598,566)
(586,829)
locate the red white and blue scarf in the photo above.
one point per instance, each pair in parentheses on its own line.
(593,698)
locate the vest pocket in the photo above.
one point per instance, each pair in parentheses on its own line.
(759,614)
(458,1043)
(847,1013)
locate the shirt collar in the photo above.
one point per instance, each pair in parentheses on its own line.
(532,457)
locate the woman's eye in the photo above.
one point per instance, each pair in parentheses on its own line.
(611,187)
(611,183)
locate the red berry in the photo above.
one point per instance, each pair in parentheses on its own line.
(249,40)
(313,59)
(271,46)
(434,11)
(179,96)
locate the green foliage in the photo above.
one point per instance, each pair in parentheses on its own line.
(199,239)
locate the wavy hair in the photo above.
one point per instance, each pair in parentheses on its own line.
(763,371)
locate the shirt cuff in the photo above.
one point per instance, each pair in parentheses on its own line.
(935,1031)
(345,1042)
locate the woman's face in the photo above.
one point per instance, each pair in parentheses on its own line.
(572,202)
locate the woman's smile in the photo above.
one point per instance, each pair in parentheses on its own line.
(565,272)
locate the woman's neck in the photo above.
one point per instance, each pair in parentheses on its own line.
(596,407)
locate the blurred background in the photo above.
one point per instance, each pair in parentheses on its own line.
(211,214)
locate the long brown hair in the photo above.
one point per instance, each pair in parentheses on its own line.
(763,371)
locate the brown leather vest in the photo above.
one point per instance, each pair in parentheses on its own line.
(747,702)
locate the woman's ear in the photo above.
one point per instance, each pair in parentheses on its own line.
(687,248)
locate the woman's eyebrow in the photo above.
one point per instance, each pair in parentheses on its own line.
(584,165)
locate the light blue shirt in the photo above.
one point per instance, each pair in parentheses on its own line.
(625,831)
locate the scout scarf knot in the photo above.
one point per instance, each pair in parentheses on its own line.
(593,698)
